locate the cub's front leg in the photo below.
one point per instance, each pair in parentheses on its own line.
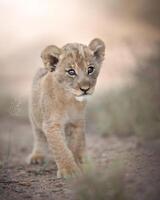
(63,156)
(75,134)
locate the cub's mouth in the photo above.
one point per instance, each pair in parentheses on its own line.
(83,97)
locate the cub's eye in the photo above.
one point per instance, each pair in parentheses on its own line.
(71,72)
(90,69)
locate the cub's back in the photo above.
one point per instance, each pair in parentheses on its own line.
(39,74)
(34,108)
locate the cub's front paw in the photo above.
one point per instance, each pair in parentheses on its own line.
(35,158)
(68,171)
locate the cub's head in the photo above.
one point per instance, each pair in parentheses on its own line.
(75,66)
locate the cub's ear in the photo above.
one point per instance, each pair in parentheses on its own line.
(98,48)
(50,56)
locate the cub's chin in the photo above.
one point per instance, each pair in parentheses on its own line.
(83,98)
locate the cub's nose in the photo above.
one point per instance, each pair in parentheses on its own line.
(84,89)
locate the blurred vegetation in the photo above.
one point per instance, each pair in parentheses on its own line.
(105,185)
(13,107)
(133,109)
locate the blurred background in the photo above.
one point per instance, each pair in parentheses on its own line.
(126,105)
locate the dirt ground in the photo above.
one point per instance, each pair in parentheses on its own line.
(21,181)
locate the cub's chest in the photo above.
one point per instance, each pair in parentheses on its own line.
(75,112)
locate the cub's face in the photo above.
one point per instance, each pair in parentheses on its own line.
(76,66)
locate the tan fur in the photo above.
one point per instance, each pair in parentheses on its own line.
(57,117)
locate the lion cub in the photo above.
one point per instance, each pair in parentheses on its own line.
(58,101)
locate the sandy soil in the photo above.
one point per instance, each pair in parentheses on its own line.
(21,181)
